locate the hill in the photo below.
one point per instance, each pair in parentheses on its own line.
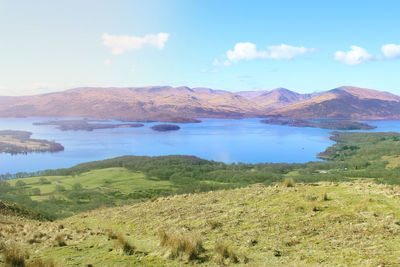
(275,99)
(348,224)
(176,210)
(346,103)
(163,103)
(182,104)
(15,210)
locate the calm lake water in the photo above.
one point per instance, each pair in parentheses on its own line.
(225,140)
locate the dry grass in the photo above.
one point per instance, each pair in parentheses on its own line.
(124,245)
(182,245)
(271,225)
(13,256)
(41,263)
(60,240)
(111,234)
(325,195)
(224,251)
(288,182)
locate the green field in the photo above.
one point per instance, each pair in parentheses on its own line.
(104,180)
(74,193)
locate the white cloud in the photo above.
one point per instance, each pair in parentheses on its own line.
(288,52)
(120,44)
(249,51)
(355,56)
(391,51)
(244,51)
(107,62)
(132,70)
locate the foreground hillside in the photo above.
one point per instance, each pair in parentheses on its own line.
(332,224)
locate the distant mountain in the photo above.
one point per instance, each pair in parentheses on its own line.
(180,104)
(346,103)
(136,103)
(277,98)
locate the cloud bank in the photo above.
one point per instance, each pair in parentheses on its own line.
(120,44)
(358,55)
(249,51)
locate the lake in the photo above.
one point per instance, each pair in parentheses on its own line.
(226,140)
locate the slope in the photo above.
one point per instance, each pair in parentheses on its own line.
(346,103)
(309,224)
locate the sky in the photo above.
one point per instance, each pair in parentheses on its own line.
(305,46)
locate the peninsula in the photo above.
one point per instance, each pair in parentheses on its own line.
(20,142)
(324,124)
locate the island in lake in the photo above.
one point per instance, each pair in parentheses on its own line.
(165,127)
(86,125)
(20,142)
(325,124)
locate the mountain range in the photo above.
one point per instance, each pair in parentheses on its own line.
(166,103)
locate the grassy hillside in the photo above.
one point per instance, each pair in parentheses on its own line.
(16,210)
(62,196)
(126,180)
(332,224)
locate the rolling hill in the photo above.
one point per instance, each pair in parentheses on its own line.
(181,104)
(346,103)
(144,103)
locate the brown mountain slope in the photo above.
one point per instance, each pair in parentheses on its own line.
(346,103)
(130,103)
(277,98)
(165,103)
(364,93)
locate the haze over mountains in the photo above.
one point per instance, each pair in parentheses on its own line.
(165,103)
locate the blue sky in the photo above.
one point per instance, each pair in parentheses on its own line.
(233,45)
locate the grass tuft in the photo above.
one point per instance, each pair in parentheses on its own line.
(325,195)
(188,245)
(111,234)
(224,251)
(41,263)
(288,182)
(14,257)
(125,246)
(60,240)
